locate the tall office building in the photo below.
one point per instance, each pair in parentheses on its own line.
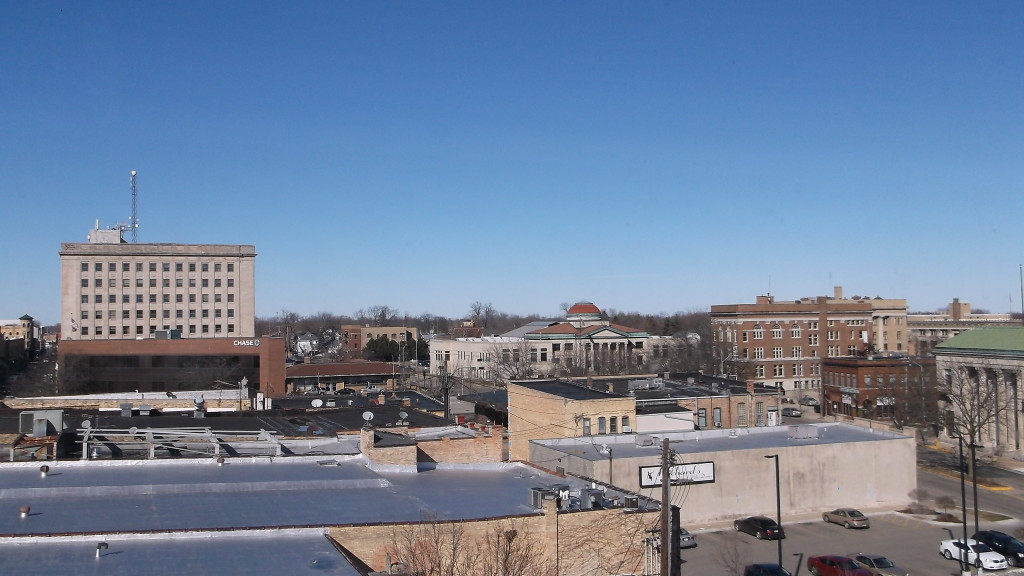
(113,290)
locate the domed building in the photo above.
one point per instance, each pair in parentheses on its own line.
(585,343)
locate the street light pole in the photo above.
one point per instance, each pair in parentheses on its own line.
(778,502)
(963,501)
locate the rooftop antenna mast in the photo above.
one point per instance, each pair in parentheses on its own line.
(134,223)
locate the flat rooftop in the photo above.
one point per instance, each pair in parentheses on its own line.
(566,390)
(272,552)
(721,440)
(248,516)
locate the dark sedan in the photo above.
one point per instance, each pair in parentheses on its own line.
(760,527)
(1003,543)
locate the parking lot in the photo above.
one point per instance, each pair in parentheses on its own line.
(911,543)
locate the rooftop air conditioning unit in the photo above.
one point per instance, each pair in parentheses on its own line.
(627,429)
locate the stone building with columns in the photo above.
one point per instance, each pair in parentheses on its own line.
(784,341)
(979,373)
(585,343)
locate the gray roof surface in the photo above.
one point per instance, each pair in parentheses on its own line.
(249,516)
(704,441)
(273,552)
(171,496)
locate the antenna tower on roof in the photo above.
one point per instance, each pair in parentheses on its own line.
(134,223)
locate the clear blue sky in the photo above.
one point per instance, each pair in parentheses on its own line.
(646,156)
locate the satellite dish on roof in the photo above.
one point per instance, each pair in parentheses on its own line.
(86,424)
(367,416)
(403,415)
(317,403)
(133,430)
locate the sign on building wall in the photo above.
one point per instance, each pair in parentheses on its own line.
(696,473)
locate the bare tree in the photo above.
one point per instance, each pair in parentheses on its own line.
(443,548)
(975,403)
(733,557)
(481,314)
(379,315)
(432,548)
(512,360)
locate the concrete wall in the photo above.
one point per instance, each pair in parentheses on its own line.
(813,477)
(663,422)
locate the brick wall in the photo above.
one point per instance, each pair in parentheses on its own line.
(483,448)
(606,541)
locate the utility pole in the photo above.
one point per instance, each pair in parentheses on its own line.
(665,505)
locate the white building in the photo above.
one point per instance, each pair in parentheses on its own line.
(584,343)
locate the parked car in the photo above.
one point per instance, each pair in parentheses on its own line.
(1011,548)
(975,553)
(848,517)
(793,412)
(686,540)
(343,391)
(878,565)
(832,565)
(765,570)
(760,527)
(809,401)
(372,390)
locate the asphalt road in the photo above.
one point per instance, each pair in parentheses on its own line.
(909,541)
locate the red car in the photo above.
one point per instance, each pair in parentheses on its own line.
(835,566)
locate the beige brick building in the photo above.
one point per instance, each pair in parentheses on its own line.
(928,330)
(112,290)
(782,342)
(555,409)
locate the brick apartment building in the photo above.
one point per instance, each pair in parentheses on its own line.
(782,343)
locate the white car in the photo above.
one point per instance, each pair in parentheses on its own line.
(979,555)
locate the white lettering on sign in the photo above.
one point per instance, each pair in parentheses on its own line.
(696,473)
(255,342)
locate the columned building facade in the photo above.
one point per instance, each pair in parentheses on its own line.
(979,373)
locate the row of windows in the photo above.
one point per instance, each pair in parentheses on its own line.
(605,425)
(140,314)
(779,370)
(847,380)
(165,283)
(165,266)
(127,330)
(165,298)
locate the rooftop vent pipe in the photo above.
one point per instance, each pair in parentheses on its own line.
(24,510)
(44,470)
(101,546)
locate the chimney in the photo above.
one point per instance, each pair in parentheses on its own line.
(590,382)
(406,402)
(838,291)
(750,387)
(611,388)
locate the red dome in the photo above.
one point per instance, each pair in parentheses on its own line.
(584,308)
